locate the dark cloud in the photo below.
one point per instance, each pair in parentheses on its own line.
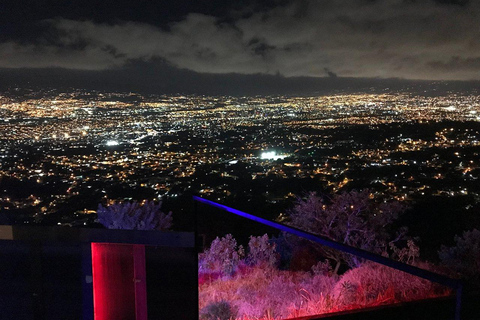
(457,63)
(330,73)
(391,38)
(260,47)
(468,68)
(453,2)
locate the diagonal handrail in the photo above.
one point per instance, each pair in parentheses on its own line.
(425,274)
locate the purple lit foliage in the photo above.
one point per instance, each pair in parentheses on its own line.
(262,251)
(322,268)
(257,289)
(133,216)
(408,254)
(373,283)
(223,256)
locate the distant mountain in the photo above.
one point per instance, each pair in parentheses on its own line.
(160,77)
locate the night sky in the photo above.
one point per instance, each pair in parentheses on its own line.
(424,40)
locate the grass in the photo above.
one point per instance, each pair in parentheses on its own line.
(264,292)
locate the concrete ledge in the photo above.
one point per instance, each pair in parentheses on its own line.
(85,235)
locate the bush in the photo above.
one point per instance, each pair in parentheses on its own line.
(322,268)
(223,256)
(373,283)
(464,257)
(221,310)
(408,254)
(259,290)
(263,292)
(133,216)
(262,251)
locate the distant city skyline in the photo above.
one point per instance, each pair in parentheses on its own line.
(64,152)
(418,40)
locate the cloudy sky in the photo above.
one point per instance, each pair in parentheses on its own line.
(431,40)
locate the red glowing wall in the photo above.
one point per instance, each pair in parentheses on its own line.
(119,281)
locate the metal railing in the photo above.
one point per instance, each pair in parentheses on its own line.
(425,274)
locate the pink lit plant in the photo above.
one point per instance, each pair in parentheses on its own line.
(257,289)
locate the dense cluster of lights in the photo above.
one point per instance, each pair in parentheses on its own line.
(159,142)
(272,155)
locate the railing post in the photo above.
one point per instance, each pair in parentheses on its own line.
(458,304)
(195,222)
(87,282)
(196,249)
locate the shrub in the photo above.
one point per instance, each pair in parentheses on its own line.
(133,216)
(464,257)
(262,251)
(223,256)
(221,310)
(322,268)
(408,254)
(374,283)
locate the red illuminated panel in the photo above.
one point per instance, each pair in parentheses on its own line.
(113,285)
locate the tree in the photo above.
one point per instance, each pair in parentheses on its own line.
(353,218)
(133,216)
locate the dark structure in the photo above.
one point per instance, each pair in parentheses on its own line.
(47,273)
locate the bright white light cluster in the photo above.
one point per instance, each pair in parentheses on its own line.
(271,155)
(112,143)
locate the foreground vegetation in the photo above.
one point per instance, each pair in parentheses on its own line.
(252,287)
(291,277)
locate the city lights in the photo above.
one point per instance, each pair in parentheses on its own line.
(271,155)
(111,143)
(208,144)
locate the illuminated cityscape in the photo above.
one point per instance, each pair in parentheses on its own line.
(240,160)
(63,153)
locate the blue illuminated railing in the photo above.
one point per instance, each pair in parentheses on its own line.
(425,274)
